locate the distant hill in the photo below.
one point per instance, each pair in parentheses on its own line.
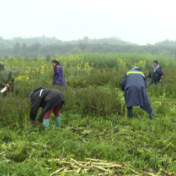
(111,41)
(170,43)
(44,41)
(46,46)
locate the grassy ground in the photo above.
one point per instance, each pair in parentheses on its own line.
(94,125)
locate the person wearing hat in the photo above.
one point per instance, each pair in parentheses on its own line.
(7,79)
(134,84)
(50,100)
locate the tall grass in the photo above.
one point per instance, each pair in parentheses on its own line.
(109,60)
(94,94)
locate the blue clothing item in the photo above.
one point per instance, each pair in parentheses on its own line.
(30,95)
(156,68)
(134,84)
(58,76)
(155,75)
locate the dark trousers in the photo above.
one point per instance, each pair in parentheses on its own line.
(147,108)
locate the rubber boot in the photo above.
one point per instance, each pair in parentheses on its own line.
(46,123)
(58,121)
(130,113)
(151,116)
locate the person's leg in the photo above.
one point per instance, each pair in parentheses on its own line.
(151,116)
(130,112)
(46,119)
(60,83)
(57,115)
(148,109)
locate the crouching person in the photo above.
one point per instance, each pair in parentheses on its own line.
(134,84)
(50,100)
(7,79)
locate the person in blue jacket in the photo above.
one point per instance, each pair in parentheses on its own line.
(134,85)
(156,74)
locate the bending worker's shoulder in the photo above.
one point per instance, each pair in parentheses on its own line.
(130,72)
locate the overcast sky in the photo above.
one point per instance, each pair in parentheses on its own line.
(137,21)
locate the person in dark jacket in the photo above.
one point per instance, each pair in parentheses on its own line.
(134,84)
(51,100)
(156,73)
(7,79)
(58,76)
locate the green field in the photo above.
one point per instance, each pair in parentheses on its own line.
(94,122)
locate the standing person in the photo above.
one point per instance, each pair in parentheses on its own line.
(156,73)
(134,84)
(58,76)
(7,79)
(51,100)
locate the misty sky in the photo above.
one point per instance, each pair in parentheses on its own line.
(137,21)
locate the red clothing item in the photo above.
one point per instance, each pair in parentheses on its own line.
(55,110)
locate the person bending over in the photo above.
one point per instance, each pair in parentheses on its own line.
(7,79)
(50,100)
(134,84)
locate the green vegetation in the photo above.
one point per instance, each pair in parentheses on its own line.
(94,122)
(33,47)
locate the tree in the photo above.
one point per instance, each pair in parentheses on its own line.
(24,47)
(82,46)
(17,47)
(86,39)
(35,47)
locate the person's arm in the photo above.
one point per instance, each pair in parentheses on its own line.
(2,83)
(11,80)
(123,82)
(5,84)
(34,108)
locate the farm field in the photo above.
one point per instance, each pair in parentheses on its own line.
(96,137)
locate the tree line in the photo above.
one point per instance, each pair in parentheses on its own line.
(50,46)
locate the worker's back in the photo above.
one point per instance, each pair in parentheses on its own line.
(135,78)
(134,85)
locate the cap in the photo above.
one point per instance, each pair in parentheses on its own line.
(1,64)
(135,67)
(30,95)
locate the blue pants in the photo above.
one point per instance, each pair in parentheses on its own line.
(146,107)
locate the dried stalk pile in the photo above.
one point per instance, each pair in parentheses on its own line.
(87,166)
(94,166)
